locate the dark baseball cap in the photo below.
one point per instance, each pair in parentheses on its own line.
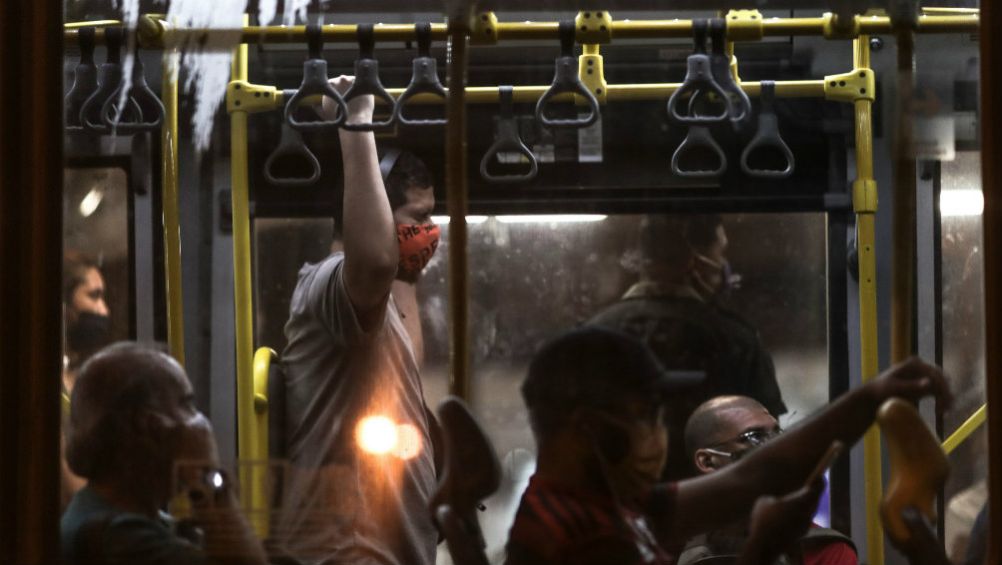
(596,366)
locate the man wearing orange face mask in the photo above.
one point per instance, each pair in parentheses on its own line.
(353,356)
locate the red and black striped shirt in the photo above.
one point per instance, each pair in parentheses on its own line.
(556,525)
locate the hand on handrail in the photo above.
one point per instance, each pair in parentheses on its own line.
(292,146)
(424,79)
(508,140)
(151,109)
(367,81)
(110,80)
(84,81)
(315,82)
(767,137)
(698,81)
(566,80)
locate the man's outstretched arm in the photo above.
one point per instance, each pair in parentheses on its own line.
(783,464)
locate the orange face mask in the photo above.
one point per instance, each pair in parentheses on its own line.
(418,243)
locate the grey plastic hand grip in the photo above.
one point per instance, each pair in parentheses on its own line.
(292,145)
(566,80)
(508,140)
(424,79)
(767,136)
(698,137)
(151,109)
(315,82)
(109,77)
(84,81)
(720,62)
(367,82)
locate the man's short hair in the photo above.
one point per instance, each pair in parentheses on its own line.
(703,427)
(106,433)
(408,172)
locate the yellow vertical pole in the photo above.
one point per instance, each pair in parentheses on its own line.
(865,206)
(456,195)
(242,298)
(169,203)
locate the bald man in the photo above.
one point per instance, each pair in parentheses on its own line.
(720,431)
(136,436)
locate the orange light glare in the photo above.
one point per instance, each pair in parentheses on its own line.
(409,442)
(376,435)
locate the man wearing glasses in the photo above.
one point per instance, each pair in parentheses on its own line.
(720,431)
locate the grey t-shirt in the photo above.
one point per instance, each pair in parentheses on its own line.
(341,504)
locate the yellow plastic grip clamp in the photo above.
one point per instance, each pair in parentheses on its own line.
(744,25)
(485,29)
(918,467)
(593,27)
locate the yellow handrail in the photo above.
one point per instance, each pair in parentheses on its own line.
(934,22)
(171,212)
(865,206)
(966,429)
(95,23)
(247,431)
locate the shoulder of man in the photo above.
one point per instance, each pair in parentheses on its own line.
(132,538)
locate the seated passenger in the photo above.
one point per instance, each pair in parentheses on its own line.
(596,405)
(721,431)
(132,421)
(678,309)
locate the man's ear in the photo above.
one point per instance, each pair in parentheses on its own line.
(704,461)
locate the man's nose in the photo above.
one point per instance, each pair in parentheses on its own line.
(101,307)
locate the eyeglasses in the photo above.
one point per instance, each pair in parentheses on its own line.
(751,438)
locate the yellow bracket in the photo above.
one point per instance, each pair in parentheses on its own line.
(744,25)
(593,27)
(592,72)
(485,29)
(864,196)
(242,96)
(833,27)
(858,84)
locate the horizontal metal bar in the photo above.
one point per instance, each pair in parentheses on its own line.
(516,31)
(966,429)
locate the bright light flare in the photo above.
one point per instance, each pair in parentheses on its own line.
(376,435)
(966,202)
(91,201)
(551,218)
(470,220)
(409,442)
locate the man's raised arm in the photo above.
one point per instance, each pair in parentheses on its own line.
(370,239)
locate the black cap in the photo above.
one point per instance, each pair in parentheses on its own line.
(596,366)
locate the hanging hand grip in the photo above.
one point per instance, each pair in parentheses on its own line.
(508,140)
(565,79)
(367,81)
(291,145)
(315,82)
(151,109)
(84,81)
(92,112)
(739,105)
(767,136)
(424,79)
(698,139)
(698,81)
